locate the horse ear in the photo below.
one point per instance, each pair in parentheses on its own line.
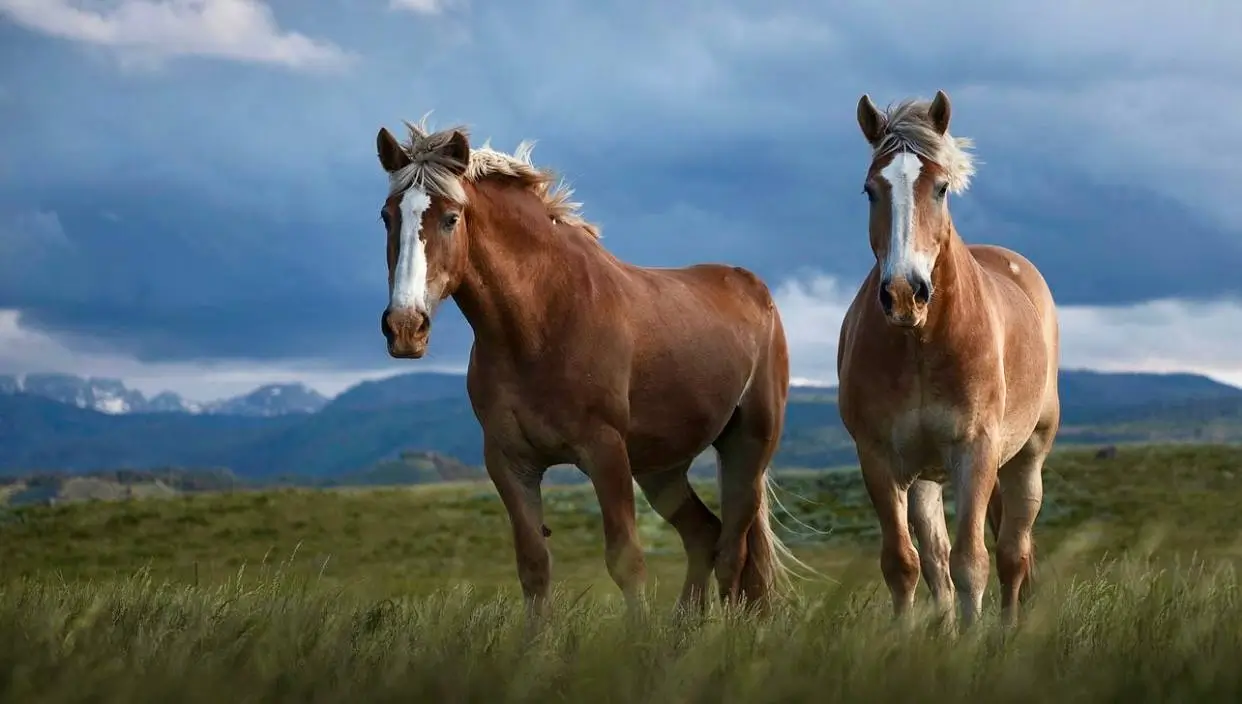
(391,156)
(870,120)
(940,112)
(458,151)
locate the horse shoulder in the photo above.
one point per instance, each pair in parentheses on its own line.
(852,320)
(872,380)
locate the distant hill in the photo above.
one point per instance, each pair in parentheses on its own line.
(1091,397)
(59,487)
(410,468)
(374,422)
(400,390)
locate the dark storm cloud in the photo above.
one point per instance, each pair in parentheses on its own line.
(225,207)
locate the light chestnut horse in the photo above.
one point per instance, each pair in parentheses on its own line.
(579,358)
(947,360)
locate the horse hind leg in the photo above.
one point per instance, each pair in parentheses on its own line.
(995,511)
(669,492)
(750,558)
(1021,488)
(748,562)
(927,522)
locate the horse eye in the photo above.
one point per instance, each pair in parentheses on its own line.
(870,192)
(384,218)
(942,191)
(449,221)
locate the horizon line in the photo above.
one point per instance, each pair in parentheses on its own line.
(795,382)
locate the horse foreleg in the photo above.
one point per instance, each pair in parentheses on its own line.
(899,561)
(606,461)
(518,484)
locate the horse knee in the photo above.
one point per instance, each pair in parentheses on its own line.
(968,566)
(626,564)
(900,567)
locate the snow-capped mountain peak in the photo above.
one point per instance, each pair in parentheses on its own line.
(113,397)
(272,400)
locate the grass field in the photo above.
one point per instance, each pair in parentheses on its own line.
(410,595)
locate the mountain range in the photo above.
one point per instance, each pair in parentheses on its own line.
(69,424)
(113,397)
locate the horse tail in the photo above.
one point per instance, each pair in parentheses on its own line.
(996,511)
(770,565)
(766,569)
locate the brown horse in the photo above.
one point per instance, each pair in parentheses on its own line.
(948,363)
(579,358)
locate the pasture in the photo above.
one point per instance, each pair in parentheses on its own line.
(402,594)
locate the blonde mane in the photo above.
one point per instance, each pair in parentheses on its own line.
(431,168)
(908,127)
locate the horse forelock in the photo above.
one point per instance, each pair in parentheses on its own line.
(907,127)
(433,170)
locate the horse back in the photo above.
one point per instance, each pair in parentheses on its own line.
(681,313)
(730,290)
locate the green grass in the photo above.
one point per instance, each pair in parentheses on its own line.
(410,595)
(1125,634)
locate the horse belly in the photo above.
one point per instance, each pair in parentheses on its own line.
(1019,424)
(922,440)
(675,417)
(1028,379)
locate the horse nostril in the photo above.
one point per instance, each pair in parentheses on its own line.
(385,327)
(922,291)
(424,325)
(886,299)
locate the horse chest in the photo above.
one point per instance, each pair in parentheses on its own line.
(921,437)
(527,424)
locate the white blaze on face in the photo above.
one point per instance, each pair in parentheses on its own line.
(409,280)
(903,259)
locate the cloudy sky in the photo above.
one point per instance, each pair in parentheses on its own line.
(188,188)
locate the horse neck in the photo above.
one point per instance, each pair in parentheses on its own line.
(515,271)
(956,280)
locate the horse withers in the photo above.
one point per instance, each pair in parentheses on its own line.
(579,358)
(947,361)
